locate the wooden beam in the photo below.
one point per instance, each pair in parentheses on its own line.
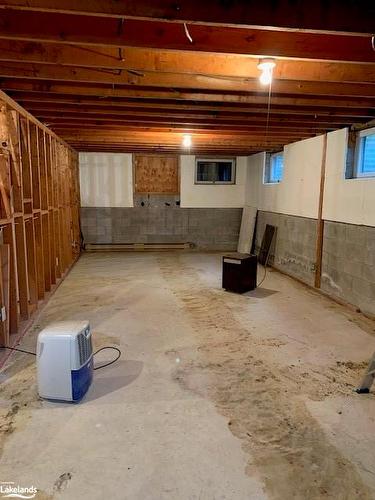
(336,16)
(105,91)
(5,184)
(5,292)
(110,32)
(9,239)
(217,115)
(150,60)
(16,107)
(80,121)
(14,145)
(320,221)
(27,202)
(178,80)
(123,134)
(231,144)
(29,99)
(22,273)
(175,150)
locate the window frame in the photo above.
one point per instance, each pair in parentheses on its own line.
(233,162)
(359,150)
(269,166)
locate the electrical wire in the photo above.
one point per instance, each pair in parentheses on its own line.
(268,114)
(265,264)
(110,362)
(96,352)
(19,350)
(187,33)
(264,277)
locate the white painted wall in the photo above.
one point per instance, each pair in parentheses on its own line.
(298,193)
(212,196)
(346,200)
(106,179)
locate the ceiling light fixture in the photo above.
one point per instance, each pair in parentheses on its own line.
(186,141)
(266,66)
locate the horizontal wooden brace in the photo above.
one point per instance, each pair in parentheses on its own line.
(318,16)
(109,32)
(107,91)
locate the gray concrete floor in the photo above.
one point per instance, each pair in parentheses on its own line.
(216,396)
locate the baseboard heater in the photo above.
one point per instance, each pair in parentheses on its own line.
(135,247)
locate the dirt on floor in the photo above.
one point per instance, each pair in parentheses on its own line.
(20,389)
(263,401)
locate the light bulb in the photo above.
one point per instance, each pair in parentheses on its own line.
(186,141)
(266,76)
(266,66)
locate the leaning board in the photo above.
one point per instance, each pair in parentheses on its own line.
(245,240)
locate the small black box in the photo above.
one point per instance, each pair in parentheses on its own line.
(239,272)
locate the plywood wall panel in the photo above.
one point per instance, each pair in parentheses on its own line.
(156,174)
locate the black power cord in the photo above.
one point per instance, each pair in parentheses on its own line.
(266,263)
(96,352)
(264,276)
(110,362)
(19,350)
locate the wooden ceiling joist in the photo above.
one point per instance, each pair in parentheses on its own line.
(162,132)
(125,75)
(108,112)
(110,32)
(334,16)
(32,99)
(150,60)
(144,94)
(178,80)
(185,122)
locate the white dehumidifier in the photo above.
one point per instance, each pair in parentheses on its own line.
(65,361)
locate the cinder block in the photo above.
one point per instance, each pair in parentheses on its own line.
(335,230)
(363,288)
(369,256)
(368,272)
(352,267)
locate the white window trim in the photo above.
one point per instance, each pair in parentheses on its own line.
(359,154)
(216,160)
(267,175)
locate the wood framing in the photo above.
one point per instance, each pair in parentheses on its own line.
(319,16)
(108,32)
(39,210)
(320,220)
(89,69)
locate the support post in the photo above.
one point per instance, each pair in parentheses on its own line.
(320,221)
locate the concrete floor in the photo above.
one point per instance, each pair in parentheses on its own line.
(216,396)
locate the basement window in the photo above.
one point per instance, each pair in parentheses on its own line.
(215,170)
(365,154)
(274,168)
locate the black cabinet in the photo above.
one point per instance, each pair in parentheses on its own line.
(239,272)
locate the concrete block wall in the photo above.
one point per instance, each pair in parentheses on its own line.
(294,248)
(206,228)
(348,268)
